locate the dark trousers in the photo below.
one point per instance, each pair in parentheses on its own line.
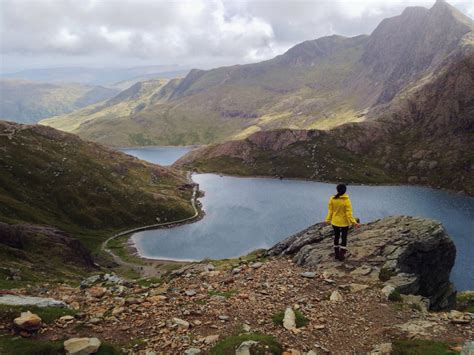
(338,233)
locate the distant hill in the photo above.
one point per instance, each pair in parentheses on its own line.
(126,104)
(96,76)
(318,84)
(28,102)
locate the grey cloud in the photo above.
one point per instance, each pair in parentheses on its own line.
(186,31)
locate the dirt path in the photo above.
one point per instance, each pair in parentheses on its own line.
(150,269)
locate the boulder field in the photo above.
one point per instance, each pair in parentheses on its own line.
(292,299)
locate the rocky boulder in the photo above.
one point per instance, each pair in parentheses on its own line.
(413,255)
(19,300)
(82,346)
(28,321)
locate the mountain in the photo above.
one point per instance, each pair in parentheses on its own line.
(28,102)
(318,84)
(95,76)
(423,136)
(49,178)
(125,105)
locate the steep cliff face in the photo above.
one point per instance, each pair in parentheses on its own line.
(417,254)
(405,47)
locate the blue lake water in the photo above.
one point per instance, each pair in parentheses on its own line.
(243,214)
(158,155)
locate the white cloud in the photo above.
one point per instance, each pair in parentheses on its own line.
(180,31)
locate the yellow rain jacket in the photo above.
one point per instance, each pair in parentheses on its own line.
(340,211)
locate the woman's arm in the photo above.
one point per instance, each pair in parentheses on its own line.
(329,216)
(349,215)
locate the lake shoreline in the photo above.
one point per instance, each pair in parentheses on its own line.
(463,193)
(403,195)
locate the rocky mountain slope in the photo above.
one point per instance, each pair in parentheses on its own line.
(309,305)
(126,104)
(28,102)
(423,136)
(316,84)
(52,178)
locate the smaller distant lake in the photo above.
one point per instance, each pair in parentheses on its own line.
(158,155)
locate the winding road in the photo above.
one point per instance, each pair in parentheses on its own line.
(143,270)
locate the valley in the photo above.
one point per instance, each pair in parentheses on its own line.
(152,208)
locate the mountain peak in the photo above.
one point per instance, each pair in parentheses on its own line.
(442,8)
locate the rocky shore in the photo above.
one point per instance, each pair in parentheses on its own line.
(291,299)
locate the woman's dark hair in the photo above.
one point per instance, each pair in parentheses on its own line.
(341,190)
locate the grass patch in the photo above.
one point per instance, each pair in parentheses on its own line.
(386,274)
(254,256)
(266,344)
(171,267)
(395,296)
(465,301)
(47,314)
(119,248)
(150,281)
(422,347)
(301,320)
(226,294)
(18,345)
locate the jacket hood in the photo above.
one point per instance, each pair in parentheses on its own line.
(343,196)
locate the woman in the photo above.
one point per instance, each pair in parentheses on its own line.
(340,216)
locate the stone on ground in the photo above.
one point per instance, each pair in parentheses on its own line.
(82,346)
(289,320)
(244,348)
(13,300)
(181,323)
(335,296)
(28,321)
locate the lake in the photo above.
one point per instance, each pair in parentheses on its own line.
(244,214)
(158,155)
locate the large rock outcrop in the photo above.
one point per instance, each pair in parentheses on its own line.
(414,255)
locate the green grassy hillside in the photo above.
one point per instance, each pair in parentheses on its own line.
(28,102)
(52,178)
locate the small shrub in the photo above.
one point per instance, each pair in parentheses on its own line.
(386,274)
(395,296)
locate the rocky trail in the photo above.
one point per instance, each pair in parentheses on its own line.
(329,307)
(202,305)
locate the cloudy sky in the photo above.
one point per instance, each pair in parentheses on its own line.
(102,33)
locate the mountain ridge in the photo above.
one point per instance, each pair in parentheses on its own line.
(317,84)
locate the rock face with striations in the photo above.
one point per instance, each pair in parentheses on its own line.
(415,255)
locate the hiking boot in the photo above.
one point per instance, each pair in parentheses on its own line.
(336,252)
(342,253)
